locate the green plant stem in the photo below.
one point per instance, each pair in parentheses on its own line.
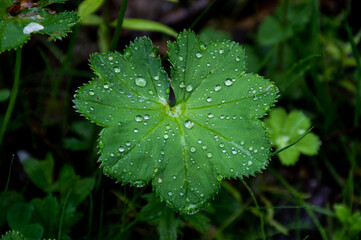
(202,14)
(356,55)
(305,205)
(13,95)
(257,206)
(118,29)
(7,181)
(62,214)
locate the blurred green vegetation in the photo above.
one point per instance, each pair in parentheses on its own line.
(50,184)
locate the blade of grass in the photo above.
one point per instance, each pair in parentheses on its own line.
(101,216)
(7,181)
(282,149)
(90,221)
(118,29)
(356,55)
(62,214)
(205,11)
(305,205)
(257,206)
(13,95)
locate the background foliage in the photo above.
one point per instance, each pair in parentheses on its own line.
(50,183)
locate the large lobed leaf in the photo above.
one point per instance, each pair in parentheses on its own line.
(212,132)
(16,29)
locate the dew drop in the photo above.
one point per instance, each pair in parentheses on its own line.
(182,85)
(160,180)
(210,115)
(135,130)
(209,99)
(199,55)
(242,142)
(192,149)
(238,59)
(140,82)
(156,170)
(121,149)
(180,58)
(189,88)
(156,78)
(91,93)
(127,143)
(250,163)
(188,124)
(232,170)
(166,136)
(146,116)
(117,70)
(138,118)
(170,194)
(228,82)
(209,155)
(106,86)
(217,88)
(110,58)
(221,51)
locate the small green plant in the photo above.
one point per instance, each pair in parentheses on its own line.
(287,129)
(351,222)
(18,20)
(185,134)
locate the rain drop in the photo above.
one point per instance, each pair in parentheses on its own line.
(140,82)
(199,55)
(106,86)
(209,99)
(210,115)
(238,59)
(228,82)
(138,118)
(209,155)
(217,88)
(121,149)
(180,58)
(182,85)
(221,51)
(160,180)
(135,130)
(192,149)
(188,124)
(189,88)
(170,194)
(117,70)
(91,93)
(156,78)
(165,136)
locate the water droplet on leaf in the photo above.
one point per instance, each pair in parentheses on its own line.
(188,124)
(140,82)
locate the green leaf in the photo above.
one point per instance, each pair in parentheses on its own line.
(19,216)
(87,7)
(16,29)
(168,225)
(40,172)
(4,94)
(33,231)
(13,235)
(212,132)
(47,212)
(146,25)
(287,129)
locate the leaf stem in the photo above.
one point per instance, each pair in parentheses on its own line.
(13,95)
(118,29)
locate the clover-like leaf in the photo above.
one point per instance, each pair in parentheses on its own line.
(21,18)
(209,131)
(287,129)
